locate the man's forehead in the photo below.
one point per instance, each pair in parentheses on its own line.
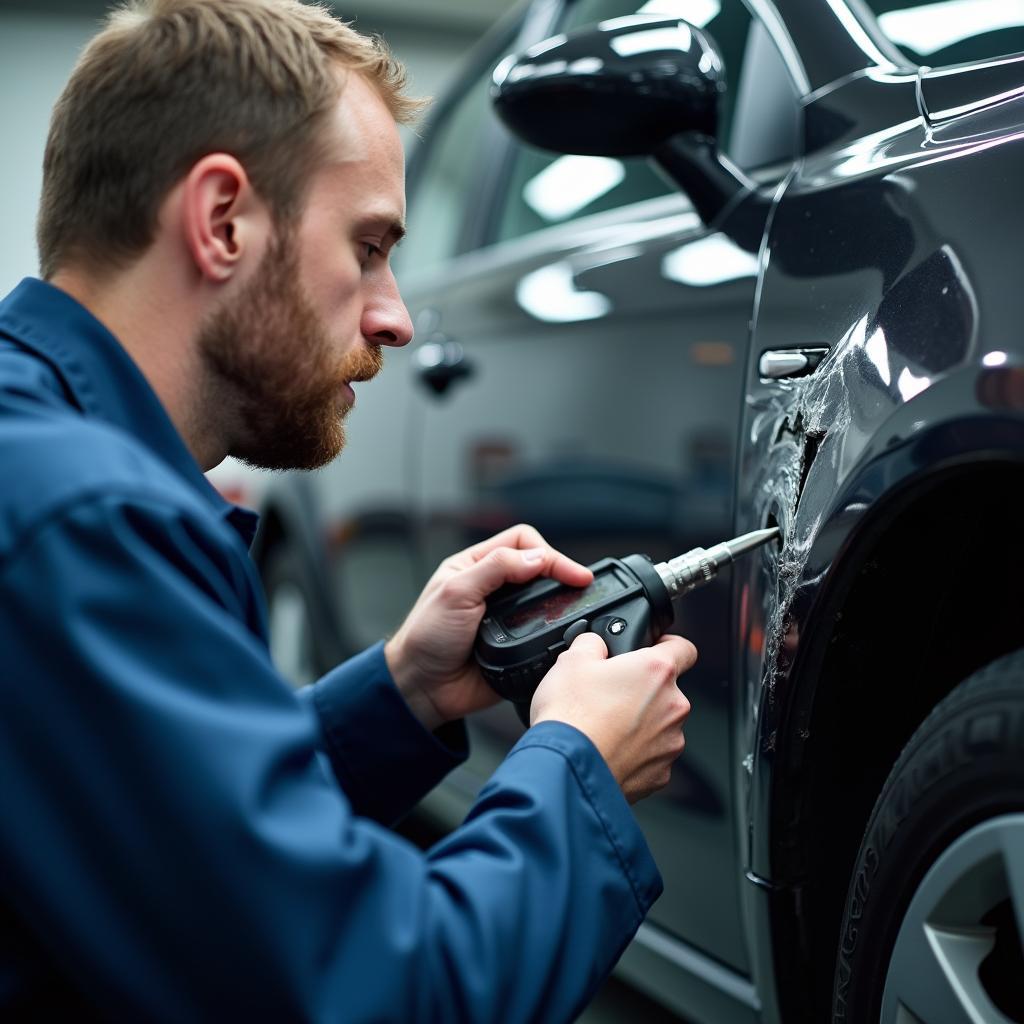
(363,167)
(361,123)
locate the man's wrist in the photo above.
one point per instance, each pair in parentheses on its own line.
(403,672)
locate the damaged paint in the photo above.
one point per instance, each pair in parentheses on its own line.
(913,321)
(799,418)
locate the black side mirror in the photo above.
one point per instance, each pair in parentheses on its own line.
(636,86)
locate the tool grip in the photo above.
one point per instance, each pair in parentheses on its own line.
(626,629)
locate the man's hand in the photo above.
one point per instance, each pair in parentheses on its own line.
(629,706)
(430,657)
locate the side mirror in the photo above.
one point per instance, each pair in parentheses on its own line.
(643,85)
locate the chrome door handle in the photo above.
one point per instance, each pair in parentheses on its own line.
(786,363)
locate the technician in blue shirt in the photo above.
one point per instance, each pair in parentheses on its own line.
(183,838)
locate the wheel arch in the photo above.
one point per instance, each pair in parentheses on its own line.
(923,565)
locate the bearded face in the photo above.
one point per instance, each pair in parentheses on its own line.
(272,360)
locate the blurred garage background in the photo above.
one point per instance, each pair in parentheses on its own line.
(39,43)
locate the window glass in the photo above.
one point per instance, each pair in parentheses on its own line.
(952,31)
(446,180)
(545,189)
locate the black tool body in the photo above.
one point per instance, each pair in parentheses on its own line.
(527,626)
(629,605)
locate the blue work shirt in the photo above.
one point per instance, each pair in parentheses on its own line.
(186,839)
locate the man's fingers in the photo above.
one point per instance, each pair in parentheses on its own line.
(683,653)
(562,568)
(521,536)
(474,583)
(526,538)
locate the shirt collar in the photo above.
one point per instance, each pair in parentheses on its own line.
(104,381)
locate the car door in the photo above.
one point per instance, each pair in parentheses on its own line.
(583,346)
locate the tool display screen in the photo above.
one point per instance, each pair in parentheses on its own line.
(560,604)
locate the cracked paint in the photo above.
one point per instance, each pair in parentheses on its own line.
(816,410)
(810,432)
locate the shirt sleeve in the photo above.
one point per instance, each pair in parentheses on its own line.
(381,754)
(176,847)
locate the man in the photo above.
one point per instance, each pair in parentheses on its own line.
(183,838)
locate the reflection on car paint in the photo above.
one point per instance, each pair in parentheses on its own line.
(550,294)
(713,259)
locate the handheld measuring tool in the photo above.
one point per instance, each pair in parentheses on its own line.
(629,605)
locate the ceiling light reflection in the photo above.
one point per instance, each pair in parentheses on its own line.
(932,27)
(872,151)
(547,44)
(678,37)
(696,12)
(570,184)
(878,352)
(706,261)
(554,67)
(503,68)
(856,31)
(550,294)
(910,386)
(628,21)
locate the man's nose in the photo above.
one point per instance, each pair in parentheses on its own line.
(386,321)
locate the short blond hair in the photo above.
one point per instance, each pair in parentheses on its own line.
(169,81)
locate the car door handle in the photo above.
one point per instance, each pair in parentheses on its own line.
(440,363)
(786,363)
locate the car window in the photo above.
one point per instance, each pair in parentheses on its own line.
(545,189)
(446,179)
(952,31)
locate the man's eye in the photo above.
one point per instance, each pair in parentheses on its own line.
(369,250)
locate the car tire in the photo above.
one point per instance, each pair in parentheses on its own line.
(933,920)
(290,624)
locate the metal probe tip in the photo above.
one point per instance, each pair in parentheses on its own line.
(749,541)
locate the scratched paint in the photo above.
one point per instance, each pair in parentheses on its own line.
(812,431)
(815,408)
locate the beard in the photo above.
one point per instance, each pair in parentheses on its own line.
(275,372)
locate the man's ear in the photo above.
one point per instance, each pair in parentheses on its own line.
(224,222)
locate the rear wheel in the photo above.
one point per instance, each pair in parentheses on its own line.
(934,915)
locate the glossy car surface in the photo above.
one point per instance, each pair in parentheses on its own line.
(591,357)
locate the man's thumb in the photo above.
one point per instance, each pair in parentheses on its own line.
(589,645)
